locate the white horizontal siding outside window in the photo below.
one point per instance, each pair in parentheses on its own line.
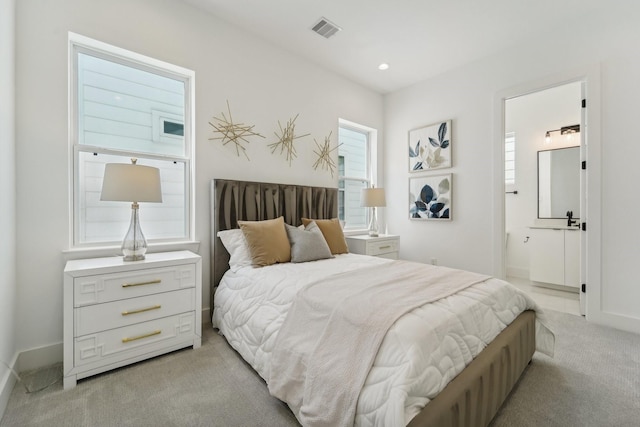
(355,173)
(124,106)
(510,158)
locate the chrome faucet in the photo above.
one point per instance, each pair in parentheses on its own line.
(570,220)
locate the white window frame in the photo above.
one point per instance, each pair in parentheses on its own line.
(372,169)
(82,44)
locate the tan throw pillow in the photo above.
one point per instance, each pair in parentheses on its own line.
(332,232)
(267,240)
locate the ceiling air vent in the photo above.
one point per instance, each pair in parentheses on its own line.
(326,28)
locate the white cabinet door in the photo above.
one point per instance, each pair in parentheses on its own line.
(572,258)
(547,256)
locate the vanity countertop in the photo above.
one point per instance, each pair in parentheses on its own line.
(557,227)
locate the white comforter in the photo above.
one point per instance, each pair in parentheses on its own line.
(421,353)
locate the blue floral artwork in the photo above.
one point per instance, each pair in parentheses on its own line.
(430,147)
(430,197)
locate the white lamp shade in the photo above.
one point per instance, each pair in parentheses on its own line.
(373,197)
(131,183)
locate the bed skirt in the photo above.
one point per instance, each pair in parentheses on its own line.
(473,397)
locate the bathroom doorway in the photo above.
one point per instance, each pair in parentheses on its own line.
(542,242)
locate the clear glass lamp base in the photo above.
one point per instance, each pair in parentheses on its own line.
(134,245)
(373,225)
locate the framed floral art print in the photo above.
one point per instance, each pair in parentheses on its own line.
(430,147)
(430,197)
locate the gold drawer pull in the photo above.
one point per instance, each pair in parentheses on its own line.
(151,282)
(139,337)
(385,247)
(142,310)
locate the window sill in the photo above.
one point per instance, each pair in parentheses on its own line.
(105,251)
(355,232)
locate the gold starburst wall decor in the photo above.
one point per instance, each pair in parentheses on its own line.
(233,132)
(324,160)
(286,138)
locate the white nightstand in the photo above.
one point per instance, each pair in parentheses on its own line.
(117,313)
(384,246)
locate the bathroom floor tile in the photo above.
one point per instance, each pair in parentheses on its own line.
(553,299)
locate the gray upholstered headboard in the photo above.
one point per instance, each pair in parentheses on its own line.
(256,201)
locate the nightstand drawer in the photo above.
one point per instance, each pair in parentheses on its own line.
(382,247)
(116,286)
(119,344)
(116,314)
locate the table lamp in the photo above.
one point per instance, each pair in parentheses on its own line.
(132,183)
(372,198)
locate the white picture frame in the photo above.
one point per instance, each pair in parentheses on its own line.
(430,147)
(430,197)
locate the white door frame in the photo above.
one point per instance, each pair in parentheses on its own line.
(583,198)
(591,130)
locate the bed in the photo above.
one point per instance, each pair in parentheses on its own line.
(451,362)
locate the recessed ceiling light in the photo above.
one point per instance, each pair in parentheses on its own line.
(383,66)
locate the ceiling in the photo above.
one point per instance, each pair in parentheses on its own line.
(417,38)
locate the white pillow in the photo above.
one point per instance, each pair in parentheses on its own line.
(235,243)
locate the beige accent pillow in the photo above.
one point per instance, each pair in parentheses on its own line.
(267,241)
(332,232)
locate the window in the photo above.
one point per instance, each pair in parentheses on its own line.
(355,173)
(171,128)
(123,106)
(510,158)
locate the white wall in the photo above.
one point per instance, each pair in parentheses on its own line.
(8,282)
(263,85)
(530,116)
(468,96)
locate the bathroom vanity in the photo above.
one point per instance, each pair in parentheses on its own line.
(554,256)
(554,241)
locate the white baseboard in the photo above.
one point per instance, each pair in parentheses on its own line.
(6,384)
(617,321)
(39,357)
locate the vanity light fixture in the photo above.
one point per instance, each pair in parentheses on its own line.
(564,130)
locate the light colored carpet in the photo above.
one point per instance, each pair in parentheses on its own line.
(210,386)
(593,380)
